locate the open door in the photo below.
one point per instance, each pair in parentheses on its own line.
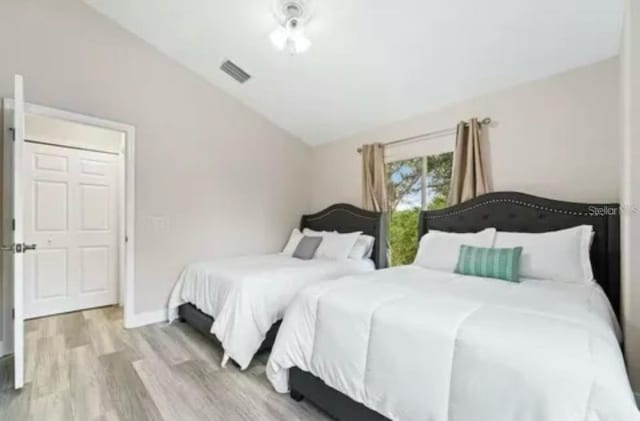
(14,246)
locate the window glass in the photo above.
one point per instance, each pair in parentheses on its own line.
(414,184)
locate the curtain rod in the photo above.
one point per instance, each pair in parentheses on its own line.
(484,122)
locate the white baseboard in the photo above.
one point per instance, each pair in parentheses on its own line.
(147,318)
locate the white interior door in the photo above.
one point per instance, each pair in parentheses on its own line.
(70,210)
(13,240)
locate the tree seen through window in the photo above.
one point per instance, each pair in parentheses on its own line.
(414,184)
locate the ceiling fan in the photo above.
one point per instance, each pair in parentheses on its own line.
(292,16)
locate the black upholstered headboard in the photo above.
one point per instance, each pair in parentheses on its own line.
(343,217)
(520,212)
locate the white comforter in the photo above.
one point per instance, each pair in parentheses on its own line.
(246,295)
(417,345)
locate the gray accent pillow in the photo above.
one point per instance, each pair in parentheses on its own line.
(307,247)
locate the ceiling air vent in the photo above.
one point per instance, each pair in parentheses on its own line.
(234,71)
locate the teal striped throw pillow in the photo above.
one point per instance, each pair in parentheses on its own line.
(490,262)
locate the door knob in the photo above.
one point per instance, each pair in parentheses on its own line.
(26,247)
(19,248)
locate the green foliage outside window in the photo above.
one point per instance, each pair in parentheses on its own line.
(410,186)
(403,236)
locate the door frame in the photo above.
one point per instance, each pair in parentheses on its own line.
(126,211)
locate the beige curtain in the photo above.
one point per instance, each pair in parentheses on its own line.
(468,178)
(374,180)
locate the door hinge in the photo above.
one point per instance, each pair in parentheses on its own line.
(13,224)
(13,313)
(13,133)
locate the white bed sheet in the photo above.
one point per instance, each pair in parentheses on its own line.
(417,344)
(246,295)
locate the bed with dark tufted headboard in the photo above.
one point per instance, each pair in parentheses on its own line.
(505,211)
(339,217)
(520,212)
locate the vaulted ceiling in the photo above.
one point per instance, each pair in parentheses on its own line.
(373,62)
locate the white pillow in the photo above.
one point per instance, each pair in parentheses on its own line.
(363,248)
(336,246)
(291,245)
(439,250)
(556,255)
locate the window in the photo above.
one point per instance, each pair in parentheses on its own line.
(414,184)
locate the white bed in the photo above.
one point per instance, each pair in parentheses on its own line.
(247,295)
(416,344)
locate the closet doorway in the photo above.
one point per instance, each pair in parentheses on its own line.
(68,217)
(73,177)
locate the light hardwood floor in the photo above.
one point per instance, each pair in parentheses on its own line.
(85,366)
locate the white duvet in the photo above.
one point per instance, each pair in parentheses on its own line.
(416,345)
(246,295)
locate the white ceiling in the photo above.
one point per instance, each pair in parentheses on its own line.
(374,61)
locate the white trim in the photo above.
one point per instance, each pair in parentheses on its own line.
(148,318)
(122,254)
(127,208)
(7,292)
(14,262)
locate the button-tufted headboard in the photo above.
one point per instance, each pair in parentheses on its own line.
(520,212)
(344,218)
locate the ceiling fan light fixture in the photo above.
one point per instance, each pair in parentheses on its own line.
(290,36)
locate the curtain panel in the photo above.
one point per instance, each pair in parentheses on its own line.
(374,179)
(468,176)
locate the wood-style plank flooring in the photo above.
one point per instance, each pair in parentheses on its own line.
(85,366)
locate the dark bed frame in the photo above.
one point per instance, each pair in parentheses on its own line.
(340,217)
(505,211)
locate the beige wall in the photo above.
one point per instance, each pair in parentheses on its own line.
(630,87)
(225,179)
(557,137)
